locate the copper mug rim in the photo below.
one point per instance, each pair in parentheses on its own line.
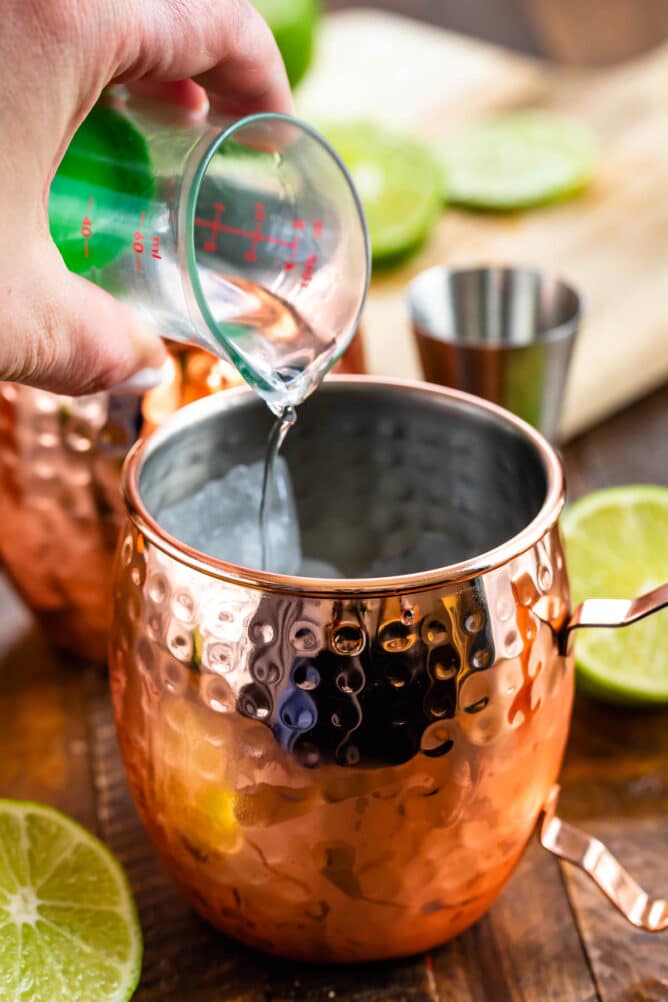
(327,587)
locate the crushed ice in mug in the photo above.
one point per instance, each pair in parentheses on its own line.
(222,520)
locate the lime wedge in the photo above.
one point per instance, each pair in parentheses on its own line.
(517,161)
(68,926)
(293,24)
(617,547)
(398,181)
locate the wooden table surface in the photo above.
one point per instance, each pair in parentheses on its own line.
(550,936)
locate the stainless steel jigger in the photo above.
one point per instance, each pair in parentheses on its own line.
(506,334)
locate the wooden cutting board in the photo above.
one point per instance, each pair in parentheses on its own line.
(612,242)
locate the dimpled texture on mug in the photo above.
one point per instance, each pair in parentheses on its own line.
(340,780)
(61,508)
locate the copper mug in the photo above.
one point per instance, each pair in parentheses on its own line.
(345,770)
(60,502)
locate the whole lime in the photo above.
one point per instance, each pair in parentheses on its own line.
(294,24)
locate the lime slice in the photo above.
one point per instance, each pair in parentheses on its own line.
(101,188)
(68,926)
(518,160)
(618,548)
(293,23)
(398,181)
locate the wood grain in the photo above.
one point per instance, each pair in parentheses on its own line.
(628,965)
(44,751)
(531,947)
(57,744)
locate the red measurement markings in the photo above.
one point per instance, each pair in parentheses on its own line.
(215,224)
(311,261)
(309,267)
(251,255)
(155,249)
(298,226)
(255,236)
(138,242)
(87,226)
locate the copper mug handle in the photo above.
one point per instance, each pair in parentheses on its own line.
(569,842)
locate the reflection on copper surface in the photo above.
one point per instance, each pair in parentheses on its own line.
(348,770)
(338,780)
(60,509)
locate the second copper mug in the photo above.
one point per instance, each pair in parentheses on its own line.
(344,770)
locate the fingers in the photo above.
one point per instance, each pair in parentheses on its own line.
(70,337)
(251,76)
(224,45)
(185,93)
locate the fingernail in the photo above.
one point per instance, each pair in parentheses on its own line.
(148,348)
(140,382)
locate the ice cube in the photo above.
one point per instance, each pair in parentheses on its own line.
(222,519)
(311,567)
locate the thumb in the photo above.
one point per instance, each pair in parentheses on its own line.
(68,336)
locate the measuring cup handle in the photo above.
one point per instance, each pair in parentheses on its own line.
(592,856)
(612,612)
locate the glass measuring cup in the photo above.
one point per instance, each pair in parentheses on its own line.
(244,237)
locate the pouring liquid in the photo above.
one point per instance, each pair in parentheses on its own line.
(277,436)
(282,357)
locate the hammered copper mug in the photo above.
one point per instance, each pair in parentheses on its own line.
(345,770)
(60,502)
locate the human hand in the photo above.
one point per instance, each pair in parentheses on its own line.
(60,332)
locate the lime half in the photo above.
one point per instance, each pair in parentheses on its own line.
(293,24)
(617,543)
(68,926)
(518,160)
(398,181)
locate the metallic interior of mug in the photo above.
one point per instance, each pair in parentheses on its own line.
(401,478)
